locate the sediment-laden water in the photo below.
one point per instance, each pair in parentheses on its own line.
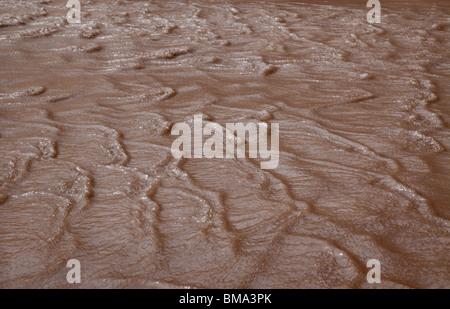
(86,170)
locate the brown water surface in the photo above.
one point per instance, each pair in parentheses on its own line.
(86,170)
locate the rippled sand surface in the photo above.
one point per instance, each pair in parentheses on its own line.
(86,170)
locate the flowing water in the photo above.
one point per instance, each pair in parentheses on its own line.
(86,170)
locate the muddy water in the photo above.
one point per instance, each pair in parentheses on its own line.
(87,172)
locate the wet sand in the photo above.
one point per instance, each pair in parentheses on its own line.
(86,170)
